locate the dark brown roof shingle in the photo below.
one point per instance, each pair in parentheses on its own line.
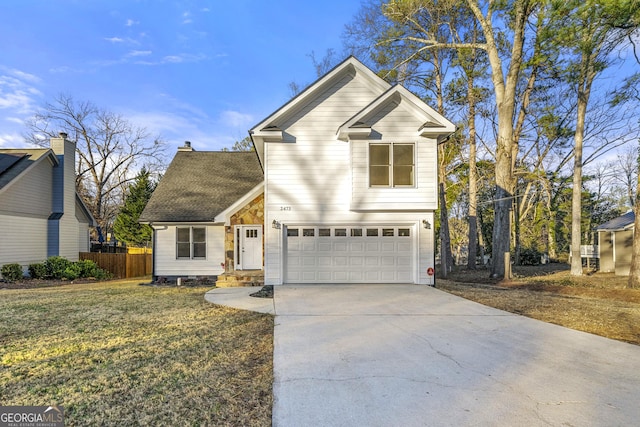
(199,185)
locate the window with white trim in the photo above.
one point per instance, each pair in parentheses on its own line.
(191,243)
(391,165)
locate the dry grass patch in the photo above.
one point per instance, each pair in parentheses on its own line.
(597,303)
(125,354)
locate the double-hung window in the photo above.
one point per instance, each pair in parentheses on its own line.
(191,243)
(391,165)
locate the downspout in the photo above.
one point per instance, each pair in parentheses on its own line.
(153,253)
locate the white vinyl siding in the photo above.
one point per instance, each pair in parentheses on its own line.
(165,257)
(313,180)
(395,124)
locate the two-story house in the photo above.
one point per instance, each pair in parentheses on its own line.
(349,188)
(41,215)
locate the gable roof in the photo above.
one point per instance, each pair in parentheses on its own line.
(268,129)
(622,222)
(434,124)
(199,185)
(16,161)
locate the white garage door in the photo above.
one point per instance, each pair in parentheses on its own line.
(345,254)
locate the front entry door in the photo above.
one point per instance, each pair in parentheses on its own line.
(249,247)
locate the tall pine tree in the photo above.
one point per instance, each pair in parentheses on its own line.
(126,226)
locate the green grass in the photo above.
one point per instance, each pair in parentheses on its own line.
(118,353)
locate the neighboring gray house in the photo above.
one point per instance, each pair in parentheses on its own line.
(615,244)
(349,192)
(40,213)
(207,214)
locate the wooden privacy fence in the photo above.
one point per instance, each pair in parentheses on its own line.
(122,266)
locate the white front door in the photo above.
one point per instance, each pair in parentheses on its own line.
(249,247)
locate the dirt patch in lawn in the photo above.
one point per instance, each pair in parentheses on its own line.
(598,303)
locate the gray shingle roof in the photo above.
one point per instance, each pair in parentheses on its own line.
(618,223)
(199,185)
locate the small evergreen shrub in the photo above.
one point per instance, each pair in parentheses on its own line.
(37,271)
(11,272)
(72,272)
(89,268)
(56,267)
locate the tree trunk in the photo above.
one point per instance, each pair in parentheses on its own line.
(576,198)
(505,88)
(503,202)
(473,180)
(587,74)
(446,257)
(634,272)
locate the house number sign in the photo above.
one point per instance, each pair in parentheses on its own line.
(285,208)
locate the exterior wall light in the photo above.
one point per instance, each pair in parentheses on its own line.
(426,224)
(275,224)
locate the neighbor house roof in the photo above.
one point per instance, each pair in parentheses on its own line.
(15,161)
(620,223)
(199,185)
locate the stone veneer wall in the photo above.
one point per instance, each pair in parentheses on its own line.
(251,213)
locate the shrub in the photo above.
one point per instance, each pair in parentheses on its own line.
(73,271)
(530,256)
(56,266)
(12,272)
(37,271)
(89,268)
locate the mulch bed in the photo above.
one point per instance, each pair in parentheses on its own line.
(265,292)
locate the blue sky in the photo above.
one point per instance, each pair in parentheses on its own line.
(204,71)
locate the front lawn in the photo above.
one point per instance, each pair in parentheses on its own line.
(120,353)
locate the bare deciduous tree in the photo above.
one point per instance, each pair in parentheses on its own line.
(109,151)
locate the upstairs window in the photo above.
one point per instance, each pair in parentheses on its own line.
(391,165)
(191,243)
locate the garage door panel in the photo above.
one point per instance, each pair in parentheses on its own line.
(372,276)
(324,246)
(404,246)
(340,247)
(404,262)
(308,276)
(343,254)
(388,260)
(388,246)
(340,261)
(356,276)
(324,276)
(308,261)
(356,246)
(324,261)
(356,260)
(341,276)
(404,276)
(372,261)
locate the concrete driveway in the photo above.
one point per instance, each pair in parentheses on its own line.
(408,355)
